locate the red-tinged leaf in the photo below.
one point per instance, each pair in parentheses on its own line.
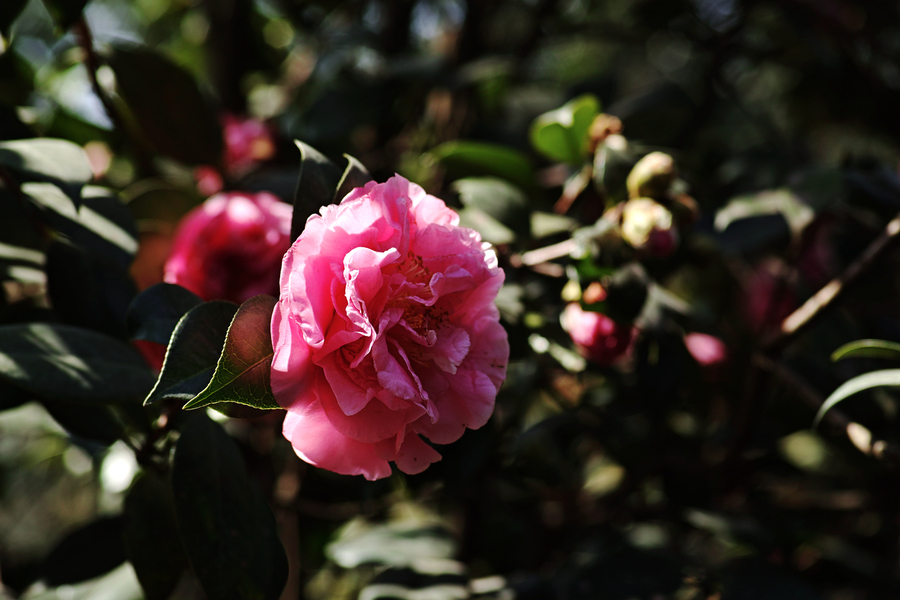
(243,373)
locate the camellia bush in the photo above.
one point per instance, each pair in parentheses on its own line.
(448,299)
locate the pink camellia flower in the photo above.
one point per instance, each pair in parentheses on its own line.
(386,331)
(707,350)
(597,337)
(229,247)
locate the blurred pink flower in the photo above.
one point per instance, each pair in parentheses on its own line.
(597,337)
(768,300)
(707,350)
(386,330)
(230,247)
(247,141)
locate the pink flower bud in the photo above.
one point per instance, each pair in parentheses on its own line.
(597,337)
(707,350)
(648,226)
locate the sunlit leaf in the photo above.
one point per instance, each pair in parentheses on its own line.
(355,175)
(867,349)
(464,158)
(317,186)
(866,381)
(193,351)
(491,229)
(227,527)
(782,202)
(497,198)
(243,373)
(61,362)
(562,134)
(59,162)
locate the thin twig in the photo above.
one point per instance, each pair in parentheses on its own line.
(801,318)
(859,435)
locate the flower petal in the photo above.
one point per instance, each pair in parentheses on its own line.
(316,441)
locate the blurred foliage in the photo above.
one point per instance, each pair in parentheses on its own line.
(657,476)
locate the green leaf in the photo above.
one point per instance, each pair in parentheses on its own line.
(867,349)
(491,229)
(88,290)
(317,186)
(155,312)
(151,536)
(464,158)
(887,377)
(167,106)
(782,202)
(545,224)
(158,201)
(59,162)
(562,134)
(60,362)
(194,348)
(9,10)
(501,200)
(66,11)
(243,373)
(69,562)
(355,175)
(94,423)
(226,525)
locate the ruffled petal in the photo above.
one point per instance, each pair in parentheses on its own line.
(317,442)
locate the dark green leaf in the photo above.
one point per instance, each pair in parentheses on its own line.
(167,106)
(887,377)
(151,536)
(9,10)
(66,11)
(59,162)
(11,396)
(21,246)
(501,200)
(155,312)
(562,134)
(244,370)
(94,423)
(155,200)
(867,349)
(193,351)
(355,175)
(88,290)
(464,158)
(60,362)
(86,553)
(317,186)
(226,525)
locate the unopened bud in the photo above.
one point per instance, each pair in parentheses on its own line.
(648,225)
(602,127)
(651,176)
